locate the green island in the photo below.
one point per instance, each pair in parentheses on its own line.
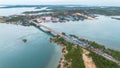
(72,54)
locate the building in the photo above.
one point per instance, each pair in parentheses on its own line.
(39,20)
(47,18)
(1,17)
(55,19)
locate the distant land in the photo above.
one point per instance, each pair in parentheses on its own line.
(76,51)
(17,6)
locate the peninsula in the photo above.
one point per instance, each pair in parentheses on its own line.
(75,47)
(86,54)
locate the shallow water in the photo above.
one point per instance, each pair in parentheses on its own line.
(37,52)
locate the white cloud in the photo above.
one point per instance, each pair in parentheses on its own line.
(81,2)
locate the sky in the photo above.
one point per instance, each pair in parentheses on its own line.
(60,2)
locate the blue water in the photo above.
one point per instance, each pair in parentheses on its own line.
(38,52)
(17,11)
(103,30)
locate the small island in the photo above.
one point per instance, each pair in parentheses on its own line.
(24,40)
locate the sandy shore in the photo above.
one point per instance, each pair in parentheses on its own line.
(62,61)
(88,60)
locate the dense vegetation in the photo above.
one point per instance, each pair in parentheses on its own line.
(62,12)
(32,12)
(104,10)
(96,45)
(21,20)
(74,54)
(108,11)
(15,19)
(101,62)
(113,53)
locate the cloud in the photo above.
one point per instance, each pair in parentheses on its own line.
(81,2)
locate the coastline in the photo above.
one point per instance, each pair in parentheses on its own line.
(63,53)
(68,50)
(62,59)
(71,51)
(88,62)
(55,61)
(13,39)
(90,36)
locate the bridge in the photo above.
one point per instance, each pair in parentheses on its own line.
(48,29)
(83,45)
(56,33)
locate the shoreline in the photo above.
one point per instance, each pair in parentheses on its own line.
(67,59)
(71,50)
(88,63)
(63,53)
(55,61)
(62,59)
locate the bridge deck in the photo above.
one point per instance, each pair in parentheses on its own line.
(69,39)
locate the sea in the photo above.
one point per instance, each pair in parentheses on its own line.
(38,51)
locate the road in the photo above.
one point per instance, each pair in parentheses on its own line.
(77,42)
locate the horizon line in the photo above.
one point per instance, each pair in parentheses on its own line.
(60,5)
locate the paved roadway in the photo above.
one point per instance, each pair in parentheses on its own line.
(83,45)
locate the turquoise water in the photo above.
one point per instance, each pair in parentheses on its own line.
(38,52)
(103,30)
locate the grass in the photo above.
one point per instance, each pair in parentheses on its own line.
(101,62)
(74,55)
